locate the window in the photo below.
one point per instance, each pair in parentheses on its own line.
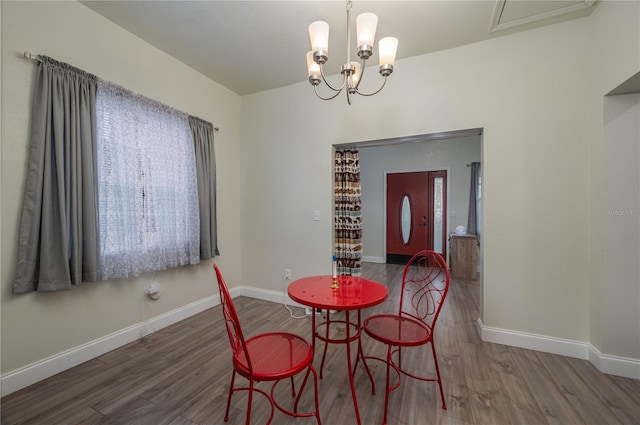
(147,189)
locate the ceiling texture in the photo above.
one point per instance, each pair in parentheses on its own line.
(252,46)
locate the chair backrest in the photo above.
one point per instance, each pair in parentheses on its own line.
(425,284)
(234,330)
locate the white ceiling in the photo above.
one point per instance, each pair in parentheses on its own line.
(252,46)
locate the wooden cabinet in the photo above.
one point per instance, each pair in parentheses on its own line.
(463,261)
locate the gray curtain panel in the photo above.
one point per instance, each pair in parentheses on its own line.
(58,231)
(472,219)
(206,176)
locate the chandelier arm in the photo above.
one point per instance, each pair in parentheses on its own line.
(344,81)
(315,88)
(375,92)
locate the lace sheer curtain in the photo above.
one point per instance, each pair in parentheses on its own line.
(148,200)
(348,215)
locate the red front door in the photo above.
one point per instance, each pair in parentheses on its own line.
(416,214)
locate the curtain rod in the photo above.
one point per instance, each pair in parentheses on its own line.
(33,57)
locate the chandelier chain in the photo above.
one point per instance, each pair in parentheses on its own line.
(348,31)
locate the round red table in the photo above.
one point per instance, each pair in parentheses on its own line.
(353,293)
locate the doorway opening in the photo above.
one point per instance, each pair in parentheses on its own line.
(449,151)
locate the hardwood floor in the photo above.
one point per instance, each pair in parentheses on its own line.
(180,376)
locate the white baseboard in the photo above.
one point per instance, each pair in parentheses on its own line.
(35,372)
(268,295)
(379,260)
(545,344)
(613,365)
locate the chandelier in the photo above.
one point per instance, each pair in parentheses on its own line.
(352,72)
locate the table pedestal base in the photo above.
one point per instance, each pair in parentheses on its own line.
(349,338)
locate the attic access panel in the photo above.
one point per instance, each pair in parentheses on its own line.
(512,13)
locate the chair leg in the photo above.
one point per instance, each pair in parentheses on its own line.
(435,359)
(387,389)
(226,413)
(304,382)
(249,403)
(310,369)
(315,393)
(293,389)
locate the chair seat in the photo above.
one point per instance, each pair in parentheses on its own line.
(274,356)
(397,330)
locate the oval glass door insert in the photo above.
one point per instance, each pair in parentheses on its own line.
(405,219)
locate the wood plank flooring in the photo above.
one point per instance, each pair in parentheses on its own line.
(180,376)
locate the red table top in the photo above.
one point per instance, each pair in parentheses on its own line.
(353,293)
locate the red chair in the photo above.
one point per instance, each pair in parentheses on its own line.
(270,356)
(425,283)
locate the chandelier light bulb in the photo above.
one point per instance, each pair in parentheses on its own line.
(319,36)
(387,48)
(313,69)
(366,24)
(354,78)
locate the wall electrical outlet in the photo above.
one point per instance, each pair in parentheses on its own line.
(153,291)
(287,274)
